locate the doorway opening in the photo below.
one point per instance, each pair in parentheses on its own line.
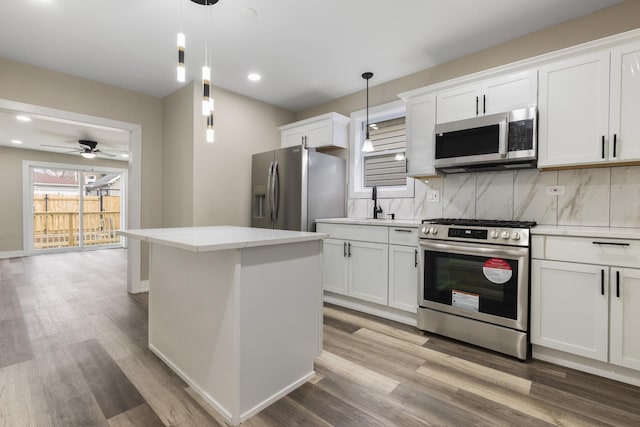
(76,209)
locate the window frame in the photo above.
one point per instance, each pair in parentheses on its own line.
(357,190)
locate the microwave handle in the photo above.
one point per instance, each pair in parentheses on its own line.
(502,138)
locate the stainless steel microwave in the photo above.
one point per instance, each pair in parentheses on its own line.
(492,142)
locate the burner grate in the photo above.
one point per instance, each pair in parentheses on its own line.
(467,222)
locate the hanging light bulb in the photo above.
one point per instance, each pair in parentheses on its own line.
(367,146)
(181,69)
(210,134)
(206,90)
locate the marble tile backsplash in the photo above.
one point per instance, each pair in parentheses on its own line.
(594,197)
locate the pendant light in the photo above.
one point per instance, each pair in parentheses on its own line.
(367,147)
(207,90)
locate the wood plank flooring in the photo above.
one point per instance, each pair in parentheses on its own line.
(73,352)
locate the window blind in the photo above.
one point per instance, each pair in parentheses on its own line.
(386,164)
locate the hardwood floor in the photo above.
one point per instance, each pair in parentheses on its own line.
(73,353)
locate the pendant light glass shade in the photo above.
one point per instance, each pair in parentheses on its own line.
(210,133)
(367,146)
(206,90)
(181,70)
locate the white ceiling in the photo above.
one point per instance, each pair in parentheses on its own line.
(307,51)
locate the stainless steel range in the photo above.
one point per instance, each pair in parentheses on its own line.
(474,282)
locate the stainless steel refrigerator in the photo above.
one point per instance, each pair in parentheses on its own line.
(292,187)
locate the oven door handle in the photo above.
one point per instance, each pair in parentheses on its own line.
(475,249)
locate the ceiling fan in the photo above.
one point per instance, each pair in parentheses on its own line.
(88,149)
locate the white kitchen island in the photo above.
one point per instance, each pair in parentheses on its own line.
(235,311)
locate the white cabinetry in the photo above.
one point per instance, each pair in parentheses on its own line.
(588,108)
(355,261)
(373,264)
(420,121)
(327,130)
(496,95)
(403,268)
(573,110)
(585,300)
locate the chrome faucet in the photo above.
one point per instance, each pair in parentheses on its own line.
(374,196)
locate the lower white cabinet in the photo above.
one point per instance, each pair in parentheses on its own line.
(624,338)
(376,264)
(569,311)
(403,277)
(368,271)
(590,310)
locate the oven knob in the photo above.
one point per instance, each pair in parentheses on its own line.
(505,235)
(425,230)
(515,236)
(494,234)
(434,230)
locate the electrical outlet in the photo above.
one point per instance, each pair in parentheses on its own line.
(554,190)
(433,196)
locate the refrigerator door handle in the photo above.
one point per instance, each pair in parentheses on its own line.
(276,192)
(269,198)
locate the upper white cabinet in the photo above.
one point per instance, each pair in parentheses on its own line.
(496,95)
(624,126)
(420,121)
(574,110)
(327,130)
(588,109)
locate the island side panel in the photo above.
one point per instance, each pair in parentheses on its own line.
(193,320)
(280,321)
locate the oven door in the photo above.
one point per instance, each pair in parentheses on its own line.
(483,282)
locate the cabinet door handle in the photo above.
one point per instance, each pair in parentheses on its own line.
(349,250)
(601,282)
(400,230)
(603,146)
(477,111)
(618,284)
(344,249)
(484,104)
(415,258)
(611,243)
(615,142)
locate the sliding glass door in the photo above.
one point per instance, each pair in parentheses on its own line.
(75,209)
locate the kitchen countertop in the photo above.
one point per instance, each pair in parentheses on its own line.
(217,238)
(586,231)
(414,223)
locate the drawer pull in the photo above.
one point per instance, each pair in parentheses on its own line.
(344,248)
(400,230)
(349,249)
(601,282)
(611,243)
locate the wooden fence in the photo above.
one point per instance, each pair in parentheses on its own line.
(56,221)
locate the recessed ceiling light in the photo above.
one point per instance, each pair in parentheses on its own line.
(16,141)
(254,77)
(23,118)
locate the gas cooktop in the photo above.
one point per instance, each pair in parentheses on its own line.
(466,222)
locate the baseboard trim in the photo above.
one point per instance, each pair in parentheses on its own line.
(370,308)
(595,367)
(12,254)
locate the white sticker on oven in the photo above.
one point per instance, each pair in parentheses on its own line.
(465,300)
(497,270)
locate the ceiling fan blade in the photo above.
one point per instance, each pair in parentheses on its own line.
(59,146)
(103,153)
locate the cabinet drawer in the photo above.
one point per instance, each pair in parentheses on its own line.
(364,233)
(614,252)
(403,236)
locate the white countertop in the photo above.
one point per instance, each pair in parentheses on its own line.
(585,231)
(370,221)
(217,238)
